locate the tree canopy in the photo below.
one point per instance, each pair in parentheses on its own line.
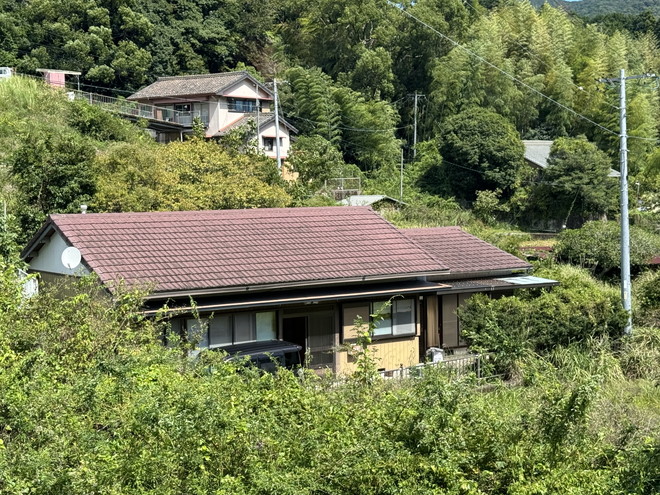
(480,150)
(575,186)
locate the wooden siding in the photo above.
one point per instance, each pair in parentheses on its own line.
(389,354)
(449,321)
(432,322)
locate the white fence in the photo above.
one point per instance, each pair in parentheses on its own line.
(457,366)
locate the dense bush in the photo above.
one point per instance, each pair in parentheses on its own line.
(537,321)
(597,246)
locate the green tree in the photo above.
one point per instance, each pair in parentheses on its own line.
(372,75)
(54,173)
(315,160)
(193,175)
(575,186)
(480,151)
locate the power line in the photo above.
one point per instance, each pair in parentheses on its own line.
(543,62)
(502,71)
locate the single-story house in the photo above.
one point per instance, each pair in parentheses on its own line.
(301,275)
(223,102)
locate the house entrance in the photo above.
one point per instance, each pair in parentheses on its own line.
(294,329)
(314,332)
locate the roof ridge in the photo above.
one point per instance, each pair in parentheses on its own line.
(200,76)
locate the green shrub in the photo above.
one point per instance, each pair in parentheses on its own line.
(640,354)
(597,246)
(646,298)
(578,309)
(99,124)
(92,403)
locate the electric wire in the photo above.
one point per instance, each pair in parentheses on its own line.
(510,76)
(543,62)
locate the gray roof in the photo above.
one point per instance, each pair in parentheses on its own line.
(368,200)
(264,120)
(200,84)
(538,151)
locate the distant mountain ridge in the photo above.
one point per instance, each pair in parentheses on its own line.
(591,8)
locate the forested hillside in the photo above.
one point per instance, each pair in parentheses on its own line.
(361,77)
(591,8)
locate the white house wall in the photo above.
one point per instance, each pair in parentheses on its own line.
(269,132)
(245,89)
(49,258)
(215,115)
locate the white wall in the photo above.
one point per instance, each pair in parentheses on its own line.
(245,89)
(215,115)
(269,131)
(49,258)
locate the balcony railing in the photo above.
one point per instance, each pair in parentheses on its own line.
(137,110)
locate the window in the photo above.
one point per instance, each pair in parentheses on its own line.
(241,105)
(269,143)
(228,329)
(449,323)
(201,111)
(397,318)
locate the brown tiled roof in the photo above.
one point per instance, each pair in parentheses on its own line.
(463,252)
(200,84)
(182,251)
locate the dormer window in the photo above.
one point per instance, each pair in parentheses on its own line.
(241,105)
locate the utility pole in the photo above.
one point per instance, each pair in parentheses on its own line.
(415,125)
(626,292)
(401,178)
(415,130)
(277,129)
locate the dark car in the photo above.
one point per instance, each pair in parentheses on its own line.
(266,355)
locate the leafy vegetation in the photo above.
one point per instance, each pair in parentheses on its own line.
(602,7)
(579,309)
(597,245)
(192,175)
(91,402)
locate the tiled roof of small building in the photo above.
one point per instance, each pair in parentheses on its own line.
(463,252)
(200,84)
(181,251)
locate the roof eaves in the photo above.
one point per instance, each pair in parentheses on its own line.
(288,285)
(46,230)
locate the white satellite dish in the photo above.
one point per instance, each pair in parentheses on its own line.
(71,257)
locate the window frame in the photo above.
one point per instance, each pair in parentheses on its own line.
(236,105)
(390,316)
(206,321)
